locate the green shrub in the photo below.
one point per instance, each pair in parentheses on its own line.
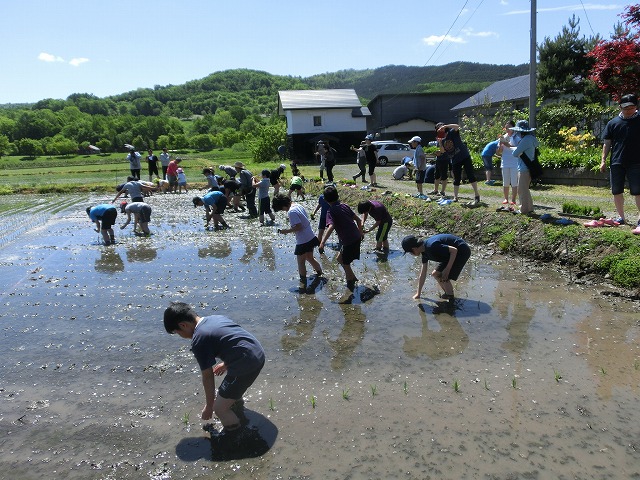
(626,272)
(507,241)
(574,208)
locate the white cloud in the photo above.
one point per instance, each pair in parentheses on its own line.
(47,57)
(569,8)
(78,61)
(436,39)
(470,33)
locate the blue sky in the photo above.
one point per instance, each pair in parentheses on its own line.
(53,48)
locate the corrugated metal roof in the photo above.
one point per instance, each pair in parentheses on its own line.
(361,112)
(305,99)
(505,90)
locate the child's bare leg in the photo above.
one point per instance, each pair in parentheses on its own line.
(222,409)
(313,262)
(302,266)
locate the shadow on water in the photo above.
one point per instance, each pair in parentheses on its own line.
(253,440)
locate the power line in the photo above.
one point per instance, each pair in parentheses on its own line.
(587,16)
(462,27)
(445,35)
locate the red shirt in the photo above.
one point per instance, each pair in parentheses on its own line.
(172,168)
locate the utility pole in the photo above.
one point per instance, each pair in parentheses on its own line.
(532,67)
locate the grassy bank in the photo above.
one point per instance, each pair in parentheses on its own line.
(590,255)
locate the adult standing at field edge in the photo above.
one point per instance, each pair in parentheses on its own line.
(152,161)
(165,158)
(134,163)
(622,141)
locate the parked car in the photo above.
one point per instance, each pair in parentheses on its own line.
(390,152)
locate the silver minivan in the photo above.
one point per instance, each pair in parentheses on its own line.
(391,152)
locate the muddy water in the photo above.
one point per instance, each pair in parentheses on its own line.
(546,372)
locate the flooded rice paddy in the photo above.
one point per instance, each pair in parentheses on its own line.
(525,376)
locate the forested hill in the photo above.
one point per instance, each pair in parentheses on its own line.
(256,91)
(223,109)
(453,77)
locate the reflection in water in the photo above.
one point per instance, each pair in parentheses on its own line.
(268,256)
(218,249)
(301,326)
(141,253)
(511,303)
(449,340)
(109,261)
(250,250)
(350,336)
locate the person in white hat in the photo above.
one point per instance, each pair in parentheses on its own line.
(420,164)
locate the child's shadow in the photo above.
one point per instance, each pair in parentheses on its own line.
(257,438)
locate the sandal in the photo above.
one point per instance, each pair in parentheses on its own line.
(594,223)
(609,222)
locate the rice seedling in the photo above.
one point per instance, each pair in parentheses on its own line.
(486,385)
(374,390)
(603,371)
(185,418)
(272,404)
(556,375)
(456,386)
(405,388)
(636,365)
(312,400)
(514,382)
(345,394)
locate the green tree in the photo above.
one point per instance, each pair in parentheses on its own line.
(163,141)
(179,141)
(104,145)
(29,147)
(564,65)
(484,124)
(264,147)
(4,145)
(203,142)
(64,146)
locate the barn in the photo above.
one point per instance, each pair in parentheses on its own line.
(334,115)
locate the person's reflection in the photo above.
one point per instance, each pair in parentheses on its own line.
(350,336)
(218,249)
(450,339)
(300,328)
(109,262)
(250,250)
(268,256)
(511,305)
(141,253)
